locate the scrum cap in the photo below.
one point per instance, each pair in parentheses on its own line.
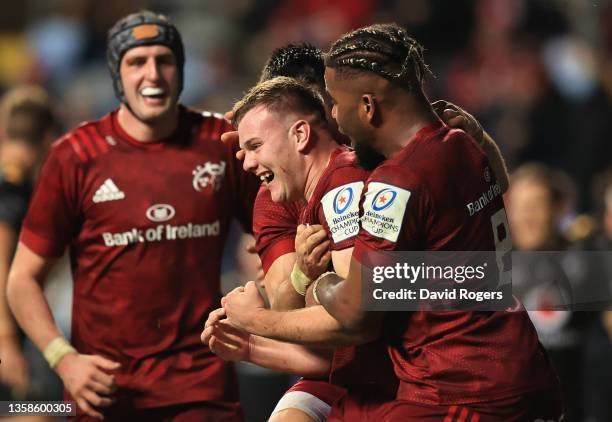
(140,29)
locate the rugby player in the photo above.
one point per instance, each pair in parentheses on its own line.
(284,133)
(143,198)
(275,226)
(451,365)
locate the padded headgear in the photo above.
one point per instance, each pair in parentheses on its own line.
(139,29)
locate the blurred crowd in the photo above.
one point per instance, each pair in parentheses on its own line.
(536,73)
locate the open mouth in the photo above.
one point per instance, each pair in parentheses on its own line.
(153,92)
(266,177)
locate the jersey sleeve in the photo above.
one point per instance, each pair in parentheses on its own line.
(274,228)
(53,216)
(338,210)
(395,211)
(245,185)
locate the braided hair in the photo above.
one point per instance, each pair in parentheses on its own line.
(303,61)
(384,49)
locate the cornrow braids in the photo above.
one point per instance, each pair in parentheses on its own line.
(303,61)
(384,49)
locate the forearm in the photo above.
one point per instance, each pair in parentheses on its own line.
(498,165)
(8,331)
(291,358)
(311,326)
(31,310)
(281,293)
(286,298)
(7,246)
(342,300)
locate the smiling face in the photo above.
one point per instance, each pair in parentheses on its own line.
(150,79)
(272,153)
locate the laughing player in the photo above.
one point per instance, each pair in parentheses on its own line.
(274,226)
(143,198)
(289,144)
(486,366)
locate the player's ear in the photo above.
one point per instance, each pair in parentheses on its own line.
(299,132)
(368,109)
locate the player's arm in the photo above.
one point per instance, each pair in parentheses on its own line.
(455,116)
(498,165)
(340,294)
(341,298)
(84,376)
(312,244)
(283,296)
(26,298)
(291,358)
(15,371)
(311,326)
(233,344)
(287,297)
(308,326)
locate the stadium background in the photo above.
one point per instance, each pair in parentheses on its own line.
(536,73)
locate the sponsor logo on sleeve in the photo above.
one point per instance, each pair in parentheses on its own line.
(484,199)
(341,209)
(383,210)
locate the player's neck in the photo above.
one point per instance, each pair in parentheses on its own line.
(147,131)
(318,160)
(402,127)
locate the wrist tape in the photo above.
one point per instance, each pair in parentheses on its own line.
(316,284)
(56,350)
(299,280)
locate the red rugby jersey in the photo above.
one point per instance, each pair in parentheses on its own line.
(146,224)
(335,205)
(274,227)
(424,198)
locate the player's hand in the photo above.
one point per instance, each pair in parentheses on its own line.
(232,136)
(242,304)
(226,341)
(312,250)
(455,116)
(14,370)
(88,380)
(213,318)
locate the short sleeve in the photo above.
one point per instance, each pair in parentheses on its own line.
(338,209)
(339,214)
(394,212)
(274,228)
(53,219)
